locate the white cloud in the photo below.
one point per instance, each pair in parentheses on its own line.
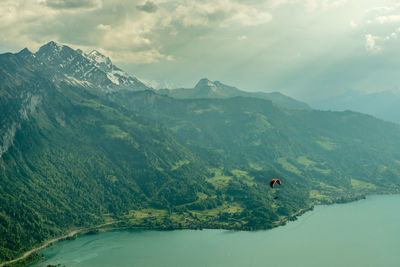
(131,41)
(382,23)
(327,4)
(382,9)
(312,5)
(387,19)
(18,18)
(218,13)
(250,17)
(393,35)
(353,24)
(370,43)
(137,57)
(135,40)
(242,37)
(32,23)
(276,3)
(103,27)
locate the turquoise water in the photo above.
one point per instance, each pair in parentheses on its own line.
(363,233)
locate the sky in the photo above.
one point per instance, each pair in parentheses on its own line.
(308,49)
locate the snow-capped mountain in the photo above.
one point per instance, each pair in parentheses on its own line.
(92,70)
(114,74)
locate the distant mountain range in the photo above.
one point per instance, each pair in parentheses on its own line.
(208,89)
(83,144)
(384,105)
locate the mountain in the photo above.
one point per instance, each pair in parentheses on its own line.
(383,105)
(92,70)
(208,89)
(70,157)
(80,152)
(323,148)
(160,84)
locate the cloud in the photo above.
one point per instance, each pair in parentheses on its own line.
(387,19)
(370,43)
(73,4)
(382,9)
(313,5)
(124,37)
(326,4)
(20,19)
(222,13)
(242,37)
(393,35)
(382,23)
(133,40)
(276,3)
(250,17)
(137,57)
(103,27)
(353,24)
(118,25)
(149,7)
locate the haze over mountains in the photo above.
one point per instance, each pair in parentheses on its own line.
(383,105)
(82,143)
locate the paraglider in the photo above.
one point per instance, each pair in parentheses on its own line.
(273,182)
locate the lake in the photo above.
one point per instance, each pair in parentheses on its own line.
(363,233)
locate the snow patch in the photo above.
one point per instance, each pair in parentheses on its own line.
(99,60)
(113,78)
(73,81)
(121,73)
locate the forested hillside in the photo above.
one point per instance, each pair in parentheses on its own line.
(334,151)
(83,144)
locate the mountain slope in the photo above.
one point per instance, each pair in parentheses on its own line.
(333,151)
(78,150)
(207,89)
(72,157)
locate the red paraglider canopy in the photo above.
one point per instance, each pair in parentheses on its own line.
(273,182)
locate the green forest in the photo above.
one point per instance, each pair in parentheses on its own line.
(73,157)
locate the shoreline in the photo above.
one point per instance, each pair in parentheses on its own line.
(71,234)
(104,228)
(46,244)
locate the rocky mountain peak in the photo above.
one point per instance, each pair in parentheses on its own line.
(101,61)
(56,54)
(93,71)
(50,47)
(26,54)
(25,51)
(206,84)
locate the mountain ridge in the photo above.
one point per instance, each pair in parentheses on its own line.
(76,155)
(208,89)
(81,67)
